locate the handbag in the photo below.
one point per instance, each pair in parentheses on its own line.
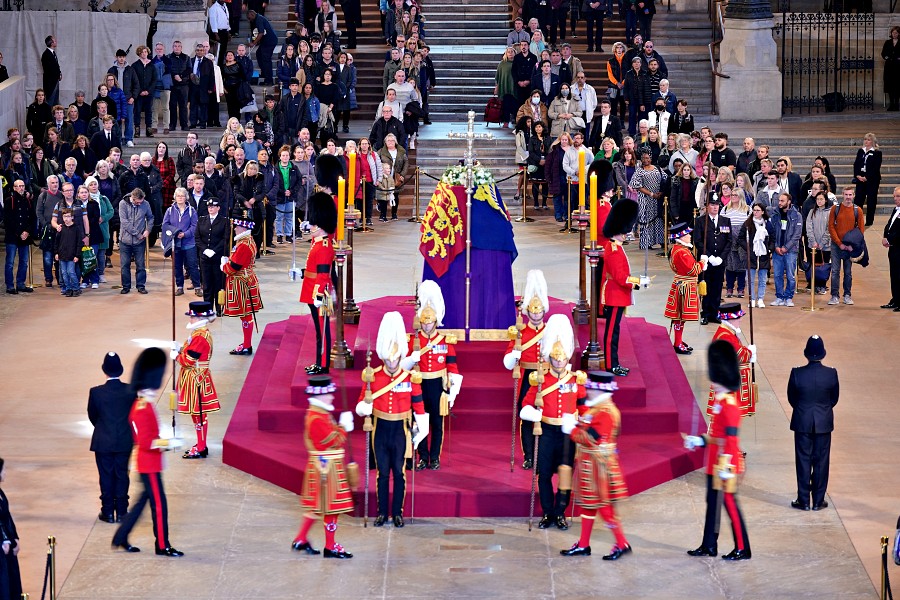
(578,122)
(612,92)
(493,110)
(47,236)
(88,260)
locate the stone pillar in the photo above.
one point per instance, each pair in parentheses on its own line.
(691,6)
(183,20)
(749,56)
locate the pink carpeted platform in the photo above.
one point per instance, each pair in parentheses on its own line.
(265,435)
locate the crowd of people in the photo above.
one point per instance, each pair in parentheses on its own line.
(774,218)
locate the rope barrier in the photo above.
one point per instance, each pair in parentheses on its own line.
(46,577)
(426,174)
(886,593)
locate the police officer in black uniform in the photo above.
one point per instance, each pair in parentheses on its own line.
(712,234)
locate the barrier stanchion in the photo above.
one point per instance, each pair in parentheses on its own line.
(812,276)
(415,218)
(524,218)
(366,217)
(31,267)
(886,593)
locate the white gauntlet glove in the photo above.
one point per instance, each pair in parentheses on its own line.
(693,441)
(510,360)
(422,422)
(530,413)
(363,408)
(569,422)
(715,260)
(346,420)
(752,349)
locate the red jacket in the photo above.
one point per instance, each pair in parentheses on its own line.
(530,347)
(616,290)
(723,433)
(317,275)
(145,429)
(395,395)
(560,395)
(437,353)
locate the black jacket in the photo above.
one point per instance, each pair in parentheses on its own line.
(681,124)
(108,408)
(145,76)
(613,130)
(813,391)
(52,71)
(212,236)
(872,165)
(380,130)
(295,181)
(712,240)
(637,88)
(18,218)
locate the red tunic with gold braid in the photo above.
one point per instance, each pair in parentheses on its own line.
(317,275)
(723,433)
(598,476)
(394,396)
(241,285)
(325,487)
(195,382)
(616,290)
(560,394)
(531,341)
(438,355)
(746,401)
(683,303)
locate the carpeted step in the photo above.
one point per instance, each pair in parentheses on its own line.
(277,396)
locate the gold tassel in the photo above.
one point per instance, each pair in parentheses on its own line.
(221,298)
(701,288)
(565,477)
(536,430)
(367,424)
(353,475)
(445,404)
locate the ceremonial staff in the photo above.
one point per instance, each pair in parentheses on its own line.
(517,377)
(173,393)
(754,387)
(417,347)
(538,404)
(368,376)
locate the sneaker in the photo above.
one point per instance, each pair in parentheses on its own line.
(848,300)
(412,144)
(84,286)
(834,301)
(94,286)
(778,302)
(789,302)
(279,239)
(129,144)
(102,279)
(760,303)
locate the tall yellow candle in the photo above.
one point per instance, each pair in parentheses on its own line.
(340,207)
(593,207)
(351,180)
(581,178)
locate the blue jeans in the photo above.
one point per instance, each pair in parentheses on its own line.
(11,250)
(69,273)
(48,268)
(758,278)
(785,266)
(839,259)
(128,117)
(127,253)
(630,25)
(735,276)
(284,219)
(187,256)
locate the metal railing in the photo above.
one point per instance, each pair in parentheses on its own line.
(12,5)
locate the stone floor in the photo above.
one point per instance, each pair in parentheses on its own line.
(236,530)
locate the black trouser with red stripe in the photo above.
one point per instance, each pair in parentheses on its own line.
(554,449)
(613,316)
(320,322)
(738,528)
(431,395)
(526,428)
(156,496)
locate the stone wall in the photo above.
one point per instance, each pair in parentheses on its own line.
(86,46)
(12,109)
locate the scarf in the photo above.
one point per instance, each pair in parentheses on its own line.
(759,239)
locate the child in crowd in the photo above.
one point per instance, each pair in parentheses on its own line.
(252,147)
(384,192)
(67,250)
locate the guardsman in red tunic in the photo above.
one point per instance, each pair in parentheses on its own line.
(433,355)
(598,476)
(724,458)
(547,403)
(730,314)
(196,392)
(316,289)
(396,395)
(326,484)
(522,355)
(618,282)
(146,379)
(683,303)
(242,297)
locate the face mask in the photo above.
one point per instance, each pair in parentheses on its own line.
(660,108)
(535,101)
(564,93)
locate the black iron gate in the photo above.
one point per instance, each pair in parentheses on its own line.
(827,62)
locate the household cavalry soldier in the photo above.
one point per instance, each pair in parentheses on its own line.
(396,395)
(433,355)
(197,395)
(730,314)
(618,282)
(523,352)
(327,483)
(724,459)
(242,297)
(683,303)
(598,476)
(547,402)
(316,289)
